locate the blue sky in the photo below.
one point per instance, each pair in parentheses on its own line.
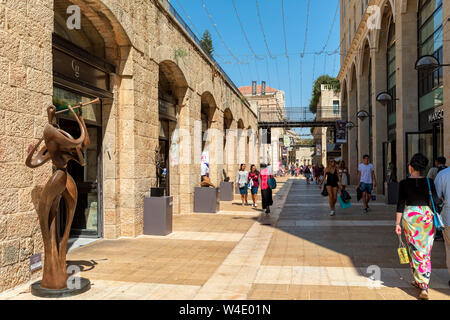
(298,90)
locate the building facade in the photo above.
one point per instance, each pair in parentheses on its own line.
(328,109)
(381,40)
(163,101)
(270,105)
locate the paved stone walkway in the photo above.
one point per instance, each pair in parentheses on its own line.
(298,252)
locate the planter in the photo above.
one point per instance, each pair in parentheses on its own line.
(206,200)
(226,191)
(157,192)
(158,216)
(391,192)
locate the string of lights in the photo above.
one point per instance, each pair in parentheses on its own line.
(189,18)
(331,28)
(243,31)
(262,30)
(286,51)
(218,33)
(306,29)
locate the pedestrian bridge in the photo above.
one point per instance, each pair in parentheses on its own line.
(298,117)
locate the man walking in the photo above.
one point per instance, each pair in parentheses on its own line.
(442,184)
(439,165)
(367,181)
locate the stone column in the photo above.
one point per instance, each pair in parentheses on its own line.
(214,145)
(407,87)
(353,135)
(230,151)
(379,113)
(275,148)
(241,146)
(446,36)
(363,126)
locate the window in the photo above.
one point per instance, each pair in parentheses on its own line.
(430,43)
(391,74)
(335,107)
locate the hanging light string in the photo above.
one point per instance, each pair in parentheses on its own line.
(286,51)
(262,30)
(189,18)
(243,31)
(331,28)
(306,29)
(218,33)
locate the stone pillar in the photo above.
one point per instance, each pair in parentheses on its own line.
(275,148)
(214,145)
(241,146)
(363,126)
(407,86)
(379,113)
(353,134)
(446,36)
(230,151)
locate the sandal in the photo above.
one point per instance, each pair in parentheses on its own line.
(415,284)
(424,295)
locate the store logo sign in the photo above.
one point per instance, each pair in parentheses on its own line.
(74,21)
(76,68)
(436,116)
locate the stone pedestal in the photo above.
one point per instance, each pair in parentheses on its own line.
(206,200)
(226,191)
(158,216)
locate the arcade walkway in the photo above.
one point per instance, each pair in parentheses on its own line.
(299,252)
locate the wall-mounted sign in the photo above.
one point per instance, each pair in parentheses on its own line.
(253,88)
(341,132)
(436,116)
(167,110)
(35,262)
(318,149)
(263,88)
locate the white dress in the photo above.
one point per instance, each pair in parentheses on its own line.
(343,174)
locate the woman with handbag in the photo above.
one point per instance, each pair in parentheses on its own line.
(414,212)
(343,174)
(242,182)
(254,180)
(266,176)
(332,185)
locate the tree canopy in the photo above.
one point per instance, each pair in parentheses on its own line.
(206,42)
(325,79)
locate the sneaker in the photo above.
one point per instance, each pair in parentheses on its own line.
(424,295)
(366,210)
(332,213)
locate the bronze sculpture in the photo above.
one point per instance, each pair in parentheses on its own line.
(60,147)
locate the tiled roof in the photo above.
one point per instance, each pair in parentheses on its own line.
(248,90)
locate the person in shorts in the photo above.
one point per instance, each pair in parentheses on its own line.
(253,176)
(367,181)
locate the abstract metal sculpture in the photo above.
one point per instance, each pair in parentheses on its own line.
(60,147)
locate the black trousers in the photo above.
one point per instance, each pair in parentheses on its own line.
(266,196)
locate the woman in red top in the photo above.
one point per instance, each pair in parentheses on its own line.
(266,192)
(254,178)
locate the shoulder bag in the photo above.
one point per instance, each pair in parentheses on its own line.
(438,223)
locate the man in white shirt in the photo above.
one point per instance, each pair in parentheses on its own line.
(367,181)
(442,184)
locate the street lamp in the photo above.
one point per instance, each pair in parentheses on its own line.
(385,98)
(428,64)
(363,115)
(350,125)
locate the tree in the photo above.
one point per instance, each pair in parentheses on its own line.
(206,42)
(325,79)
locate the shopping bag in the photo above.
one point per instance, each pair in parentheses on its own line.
(325,191)
(343,204)
(359,193)
(345,196)
(402,251)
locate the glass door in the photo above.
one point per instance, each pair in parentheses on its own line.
(419,142)
(87,221)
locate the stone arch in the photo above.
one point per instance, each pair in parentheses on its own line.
(386,13)
(168,53)
(109,24)
(173,82)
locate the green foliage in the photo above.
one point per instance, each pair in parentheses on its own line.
(206,42)
(306,142)
(180,53)
(325,79)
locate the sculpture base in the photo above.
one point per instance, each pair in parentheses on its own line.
(38,291)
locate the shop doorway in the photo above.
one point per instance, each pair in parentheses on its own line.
(420,142)
(88,218)
(389,163)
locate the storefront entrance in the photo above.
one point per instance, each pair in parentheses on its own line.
(88,214)
(420,142)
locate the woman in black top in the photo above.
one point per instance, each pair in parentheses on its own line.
(414,213)
(332,185)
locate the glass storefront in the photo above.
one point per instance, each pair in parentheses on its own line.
(430,36)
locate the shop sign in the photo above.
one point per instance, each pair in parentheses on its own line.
(318,149)
(35,262)
(341,132)
(436,116)
(166,110)
(75,69)
(287,141)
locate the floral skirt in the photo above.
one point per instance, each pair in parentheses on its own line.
(419,232)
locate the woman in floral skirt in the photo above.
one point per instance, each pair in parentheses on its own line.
(414,213)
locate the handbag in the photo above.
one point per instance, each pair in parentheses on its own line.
(345,196)
(325,191)
(343,204)
(402,251)
(250,184)
(438,223)
(272,183)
